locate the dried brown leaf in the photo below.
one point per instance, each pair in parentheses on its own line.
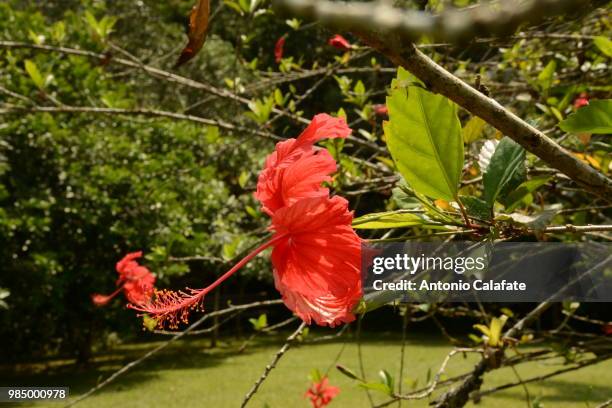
(198,28)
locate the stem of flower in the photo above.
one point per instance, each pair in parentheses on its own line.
(243,262)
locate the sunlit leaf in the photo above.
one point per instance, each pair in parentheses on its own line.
(473,129)
(424,138)
(604,44)
(35,74)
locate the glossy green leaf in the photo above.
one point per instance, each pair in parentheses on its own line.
(506,170)
(389,219)
(424,137)
(596,117)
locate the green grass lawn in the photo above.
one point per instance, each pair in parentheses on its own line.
(190,374)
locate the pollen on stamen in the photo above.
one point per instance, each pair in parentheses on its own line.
(171,308)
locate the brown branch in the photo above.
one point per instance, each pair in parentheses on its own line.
(455,26)
(154,72)
(139,112)
(605,404)
(168,76)
(578,228)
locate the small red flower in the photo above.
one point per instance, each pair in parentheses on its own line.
(607,329)
(296,169)
(279,49)
(381,110)
(339,42)
(581,100)
(136,281)
(321,393)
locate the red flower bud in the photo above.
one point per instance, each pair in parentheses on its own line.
(339,42)
(279,49)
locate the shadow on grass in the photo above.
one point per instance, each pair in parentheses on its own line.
(559,390)
(189,353)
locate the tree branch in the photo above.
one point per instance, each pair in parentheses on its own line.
(152,71)
(271,366)
(454,26)
(141,112)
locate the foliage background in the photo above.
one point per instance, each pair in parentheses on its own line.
(77,191)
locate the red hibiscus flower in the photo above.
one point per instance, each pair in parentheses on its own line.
(317,260)
(316,254)
(581,100)
(321,393)
(296,169)
(278,49)
(135,280)
(339,42)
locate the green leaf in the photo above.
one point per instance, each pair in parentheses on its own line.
(387,379)
(547,76)
(348,372)
(604,44)
(473,129)
(596,117)
(35,74)
(424,137)
(293,23)
(389,219)
(507,169)
(495,330)
(315,375)
(476,207)
(518,196)
(377,387)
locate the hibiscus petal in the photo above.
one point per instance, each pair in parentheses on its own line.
(324,126)
(317,267)
(295,169)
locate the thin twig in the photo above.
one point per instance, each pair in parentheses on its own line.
(140,112)
(272,364)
